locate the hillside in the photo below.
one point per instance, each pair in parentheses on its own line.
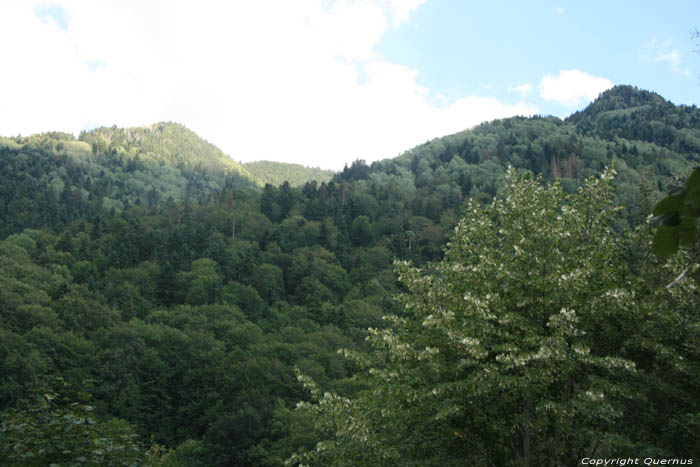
(165,143)
(52,178)
(144,276)
(276,173)
(650,141)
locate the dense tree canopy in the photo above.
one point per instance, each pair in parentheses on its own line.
(276,173)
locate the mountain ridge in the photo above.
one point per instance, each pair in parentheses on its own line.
(113,168)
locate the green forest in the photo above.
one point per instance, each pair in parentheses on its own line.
(276,173)
(490,297)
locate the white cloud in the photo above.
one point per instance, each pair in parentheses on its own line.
(523,89)
(559,10)
(663,52)
(673,58)
(572,87)
(400,10)
(296,81)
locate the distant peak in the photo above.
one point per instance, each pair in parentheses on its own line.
(620,97)
(628,96)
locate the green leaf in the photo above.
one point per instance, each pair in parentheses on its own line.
(667,218)
(665,241)
(687,232)
(692,187)
(669,204)
(690,211)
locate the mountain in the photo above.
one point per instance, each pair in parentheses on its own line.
(619,120)
(276,173)
(53,178)
(622,97)
(629,113)
(651,142)
(164,143)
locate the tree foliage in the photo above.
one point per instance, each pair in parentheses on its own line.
(276,173)
(57,430)
(513,349)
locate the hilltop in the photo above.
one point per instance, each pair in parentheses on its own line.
(164,143)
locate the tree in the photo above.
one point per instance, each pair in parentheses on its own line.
(269,282)
(510,351)
(202,282)
(246,298)
(268,203)
(361,231)
(58,430)
(286,199)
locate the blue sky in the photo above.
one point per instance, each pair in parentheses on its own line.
(463,48)
(322,82)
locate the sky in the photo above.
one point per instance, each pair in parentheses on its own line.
(326,82)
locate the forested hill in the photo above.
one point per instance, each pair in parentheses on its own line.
(276,173)
(164,143)
(51,179)
(651,142)
(149,286)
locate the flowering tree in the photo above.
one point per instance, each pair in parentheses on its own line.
(510,350)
